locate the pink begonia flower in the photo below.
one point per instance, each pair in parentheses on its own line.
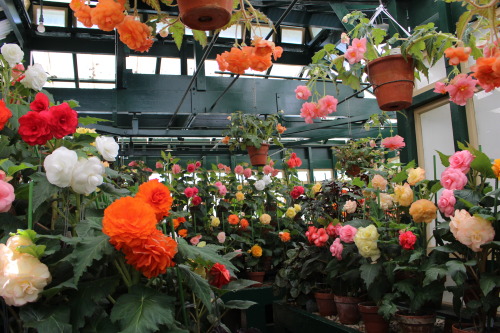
(196,200)
(195,240)
(238,170)
(227,169)
(302,92)
(132,164)
(359,44)
(221,166)
(159,165)
(311,231)
(197,164)
(222,190)
(353,55)
(3,175)
(440,88)
(247,173)
(373,144)
(461,160)
(446,203)
(344,38)
(188,192)
(7,196)
(267,169)
(147,169)
(347,233)
(331,231)
(320,237)
(221,237)
(308,112)
(472,231)
(461,88)
(453,179)
(326,105)
(336,249)
(176,168)
(393,142)
(17,72)
(191,168)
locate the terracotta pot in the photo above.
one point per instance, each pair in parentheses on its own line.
(257,277)
(392,79)
(464,328)
(416,324)
(258,156)
(326,304)
(205,14)
(374,323)
(347,308)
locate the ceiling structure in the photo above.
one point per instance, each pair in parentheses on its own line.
(154,99)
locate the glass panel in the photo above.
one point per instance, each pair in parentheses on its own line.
(261,31)
(232,32)
(141,65)
(293,36)
(303,175)
(59,85)
(55,17)
(314,31)
(436,73)
(93,66)
(80,25)
(286,70)
(92,85)
(59,65)
(170,66)
(211,67)
(320,175)
(487,120)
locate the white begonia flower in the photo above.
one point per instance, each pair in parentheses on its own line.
(59,166)
(87,175)
(107,147)
(23,279)
(34,77)
(260,185)
(267,179)
(350,206)
(12,53)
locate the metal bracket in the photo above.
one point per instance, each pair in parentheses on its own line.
(382,10)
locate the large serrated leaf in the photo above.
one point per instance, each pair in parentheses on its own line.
(143,310)
(177,31)
(46,319)
(369,273)
(208,252)
(200,37)
(434,273)
(488,282)
(87,250)
(239,304)
(42,189)
(198,285)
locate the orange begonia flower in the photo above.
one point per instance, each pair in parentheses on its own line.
(278,51)
(233,219)
(496,168)
(183,233)
(177,222)
(157,195)
(75,5)
(108,14)
(487,72)
(221,61)
(457,54)
(153,255)
(280,128)
(237,61)
(84,15)
(284,236)
(225,140)
(136,35)
(127,221)
(260,63)
(244,223)
(263,47)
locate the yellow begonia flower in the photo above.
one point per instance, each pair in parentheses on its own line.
(239,187)
(256,251)
(290,213)
(214,221)
(240,196)
(415,175)
(297,208)
(265,219)
(316,188)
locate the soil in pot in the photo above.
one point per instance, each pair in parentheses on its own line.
(416,323)
(374,323)
(326,304)
(347,308)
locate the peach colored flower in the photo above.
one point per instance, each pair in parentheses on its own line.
(379,183)
(350,206)
(136,35)
(440,88)
(14,242)
(472,231)
(403,195)
(263,47)
(415,175)
(240,196)
(393,143)
(277,52)
(7,196)
(326,105)
(107,14)
(195,240)
(457,54)
(453,179)
(461,160)
(84,15)
(302,92)
(423,210)
(386,201)
(266,218)
(280,128)
(256,251)
(284,236)
(308,112)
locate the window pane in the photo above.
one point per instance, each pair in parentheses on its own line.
(91,85)
(59,85)
(59,65)
(93,66)
(303,175)
(293,36)
(261,31)
(171,66)
(314,31)
(55,17)
(286,70)
(232,32)
(487,120)
(320,175)
(141,65)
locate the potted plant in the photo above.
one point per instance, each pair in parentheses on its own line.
(253,132)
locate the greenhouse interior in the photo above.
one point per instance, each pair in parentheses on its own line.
(249,166)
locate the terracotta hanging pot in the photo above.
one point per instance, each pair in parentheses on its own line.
(464,328)
(416,323)
(392,79)
(325,303)
(205,14)
(347,308)
(258,156)
(374,323)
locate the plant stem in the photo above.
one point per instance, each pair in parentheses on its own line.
(122,273)
(30,205)
(179,279)
(495,202)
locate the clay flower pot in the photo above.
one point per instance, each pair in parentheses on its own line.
(416,323)
(258,277)
(463,328)
(347,308)
(374,323)
(392,79)
(258,156)
(205,14)
(326,304)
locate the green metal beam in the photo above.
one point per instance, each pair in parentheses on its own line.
(341,10)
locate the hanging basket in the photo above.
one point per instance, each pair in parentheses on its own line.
(392,79)
(258,156)
(205,14)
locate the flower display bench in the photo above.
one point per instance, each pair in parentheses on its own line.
(290,319)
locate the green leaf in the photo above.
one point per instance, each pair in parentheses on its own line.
(456,269)
(28,233)
(87,250)
(369,272)
(436,187)
(36,251)
(90,120)
(469,197)
(358,182)
(90,294)
(42,189)
(238,285)
(482,164)
(406,287)
(239,304)
(68,284)
(434,273)
(198,285)
(200,37)
(318,56)
(13,169)
(444,159)
(100,324)
(46,319)
(416,255)
(208,253)
(488,282)
(143,310)
(177,31)
(17,112)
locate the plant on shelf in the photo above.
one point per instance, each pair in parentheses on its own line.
(358,155)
